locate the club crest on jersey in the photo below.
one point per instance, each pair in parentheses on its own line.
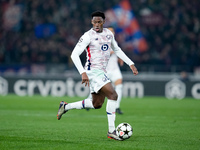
(108,37)
(104,47)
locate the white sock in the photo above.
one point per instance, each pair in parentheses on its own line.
(110,108)
(86,103)
(118,89)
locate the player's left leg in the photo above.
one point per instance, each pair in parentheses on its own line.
(111,94)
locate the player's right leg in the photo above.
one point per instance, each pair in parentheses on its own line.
(89,97)
(98,100)
(64,107)
(61,110)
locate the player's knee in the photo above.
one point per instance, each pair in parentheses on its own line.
(97,106)
(113,96)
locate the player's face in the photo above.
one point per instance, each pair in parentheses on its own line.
(97,23)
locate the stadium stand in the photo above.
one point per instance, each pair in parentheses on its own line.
(35,33)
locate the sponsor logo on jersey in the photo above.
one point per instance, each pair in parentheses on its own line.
(104,47)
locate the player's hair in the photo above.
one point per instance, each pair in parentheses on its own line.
(99,14)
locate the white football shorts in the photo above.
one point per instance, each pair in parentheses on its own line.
(98,79)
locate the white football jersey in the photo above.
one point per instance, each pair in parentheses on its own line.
(98,50)
(98,47)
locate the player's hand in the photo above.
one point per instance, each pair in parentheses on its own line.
(85,79)
(134,69)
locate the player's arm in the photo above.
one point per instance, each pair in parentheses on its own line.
(121,62)
(75,56)
(123,56)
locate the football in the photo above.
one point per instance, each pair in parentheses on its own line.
(124,130)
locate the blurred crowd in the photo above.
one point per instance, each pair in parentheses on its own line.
(40,31)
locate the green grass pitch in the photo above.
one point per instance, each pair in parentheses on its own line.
(29,123)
